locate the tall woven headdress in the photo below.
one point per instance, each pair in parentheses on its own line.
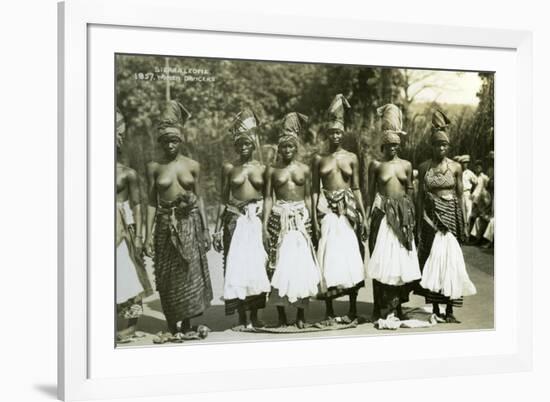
(440,125)
(173,118)
(336,112)
(244,125)
(292,128)
(392,123)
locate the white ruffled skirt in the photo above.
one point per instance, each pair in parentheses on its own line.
(245,270)
(445,271)
(338,253)
(297,274)
(127,282)
(391,263)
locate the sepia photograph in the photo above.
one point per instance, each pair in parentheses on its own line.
(260,200)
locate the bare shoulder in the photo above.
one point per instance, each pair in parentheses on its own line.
(130,173)
(317,159)
(152,166)
(406,164)
(190,161)
(191,164)
(227,167)
(351,156)
(303,167)
(269,169)
(374,164)
(455,166)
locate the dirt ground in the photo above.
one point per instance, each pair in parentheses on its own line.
(477,312)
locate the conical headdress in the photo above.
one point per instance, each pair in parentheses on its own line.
(440,124)
(292,125)
(337,111)
(244,125)
(392,123)
(173,118)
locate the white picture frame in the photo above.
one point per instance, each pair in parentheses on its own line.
(79,379)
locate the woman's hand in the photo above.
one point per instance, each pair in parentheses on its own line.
(207,239)
(316,230)
(149,250)
(365,229)
(266,238)
(217,241)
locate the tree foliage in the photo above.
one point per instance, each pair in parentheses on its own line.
(273,89)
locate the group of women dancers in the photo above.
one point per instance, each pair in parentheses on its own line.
(289,232)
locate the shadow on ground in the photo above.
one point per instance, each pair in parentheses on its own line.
(216,319)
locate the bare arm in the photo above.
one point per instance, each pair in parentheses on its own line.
(152,204)
(225,194)
(316,189)
(135,203)
(355,186)
(460,189)
(268,205)
(197,190)
(307,190)
(195,171)
(420,196)
(410,187)
(372,186)
(268,196)
(458,180)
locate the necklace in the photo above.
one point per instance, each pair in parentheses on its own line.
(437,169)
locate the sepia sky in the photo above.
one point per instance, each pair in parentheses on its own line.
(445,86)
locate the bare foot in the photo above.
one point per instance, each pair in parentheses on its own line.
(403,317)
(451,319)
(281,324)
(239,327)
(257,323)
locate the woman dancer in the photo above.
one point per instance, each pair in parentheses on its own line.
(340,219)
(393,265)
(181,239)
(287,226)
(132,282)
(440,206)
(245,277)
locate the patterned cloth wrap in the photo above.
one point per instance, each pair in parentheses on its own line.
(181,267)
(235,209)
(400,217)
(342,203)
(399,213)
(443,215)
(287,216)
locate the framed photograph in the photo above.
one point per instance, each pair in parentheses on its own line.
(250,200)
